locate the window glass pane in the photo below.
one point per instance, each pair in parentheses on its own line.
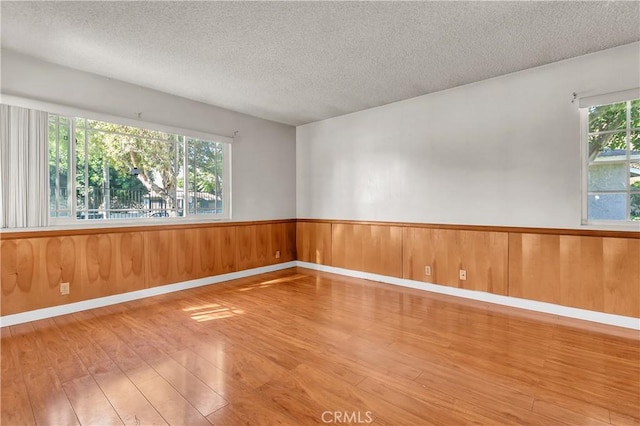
(634,164)
(635,206)
(614,161)
(52,166)
(134,176)
(64,165)
(634,184)
(126,172)
(608,206)
(205,177)
(608,117)
(635,144)
(95,176)
(60,163)
(635,114)
(80,168)
(129,131)
(608,168)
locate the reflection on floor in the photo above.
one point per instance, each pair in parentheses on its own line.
(303,347)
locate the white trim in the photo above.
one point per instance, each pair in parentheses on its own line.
(69,308)
(73,224)
(530,305)
(227,180)
(609,98)
(66,110)
(584,169)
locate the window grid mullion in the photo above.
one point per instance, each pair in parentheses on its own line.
(185,179)
(57,166)
(86,171)
(72,169)
(608,132)
(628,167)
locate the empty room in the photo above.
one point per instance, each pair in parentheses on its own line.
(299,213)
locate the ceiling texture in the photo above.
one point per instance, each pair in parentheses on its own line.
(299,62)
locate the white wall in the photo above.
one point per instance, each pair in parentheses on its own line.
(263,152)
(504,151)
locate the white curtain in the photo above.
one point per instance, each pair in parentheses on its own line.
(24,167)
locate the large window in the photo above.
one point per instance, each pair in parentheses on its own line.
(102,170)
(613,162)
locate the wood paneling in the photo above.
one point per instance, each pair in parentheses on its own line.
(600,273)
(298,343)
(257,244)
(314,242)
(252,249)
(217,248)
(160,259)
(483,255)
(93,265)
(595,273)
(97,265)
(621,276)
(113,264)
(283,238)
(188,254)
(368,248)
(32,269)
(17,266)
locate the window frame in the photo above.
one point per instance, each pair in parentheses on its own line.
(627,223)
(73,221)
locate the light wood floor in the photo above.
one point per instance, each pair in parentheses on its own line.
(295,346)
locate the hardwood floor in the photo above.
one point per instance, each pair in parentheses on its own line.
(302,347)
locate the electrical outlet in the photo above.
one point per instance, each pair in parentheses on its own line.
(427,270)
(277,254)
(64,288)
(463,275)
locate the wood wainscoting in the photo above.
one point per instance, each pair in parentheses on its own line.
(594,270)
(107,261)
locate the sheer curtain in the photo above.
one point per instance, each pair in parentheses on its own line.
(24,167)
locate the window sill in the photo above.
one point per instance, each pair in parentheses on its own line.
(72,225)
(611,226)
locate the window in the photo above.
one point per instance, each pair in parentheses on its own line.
(101,170)
(613,162)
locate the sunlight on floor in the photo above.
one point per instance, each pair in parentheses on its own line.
(285,279)
(269,283)
(195,308)
(212,311)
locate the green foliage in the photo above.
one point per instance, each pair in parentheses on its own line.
(103,174)
(205,175)
(156,155)
(114,150)
(59,162)
(613,118)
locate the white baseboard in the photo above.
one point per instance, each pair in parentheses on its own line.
(69,308)
(531,305)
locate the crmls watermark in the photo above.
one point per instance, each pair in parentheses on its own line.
(347,417)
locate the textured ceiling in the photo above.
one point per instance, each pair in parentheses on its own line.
(298,62)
